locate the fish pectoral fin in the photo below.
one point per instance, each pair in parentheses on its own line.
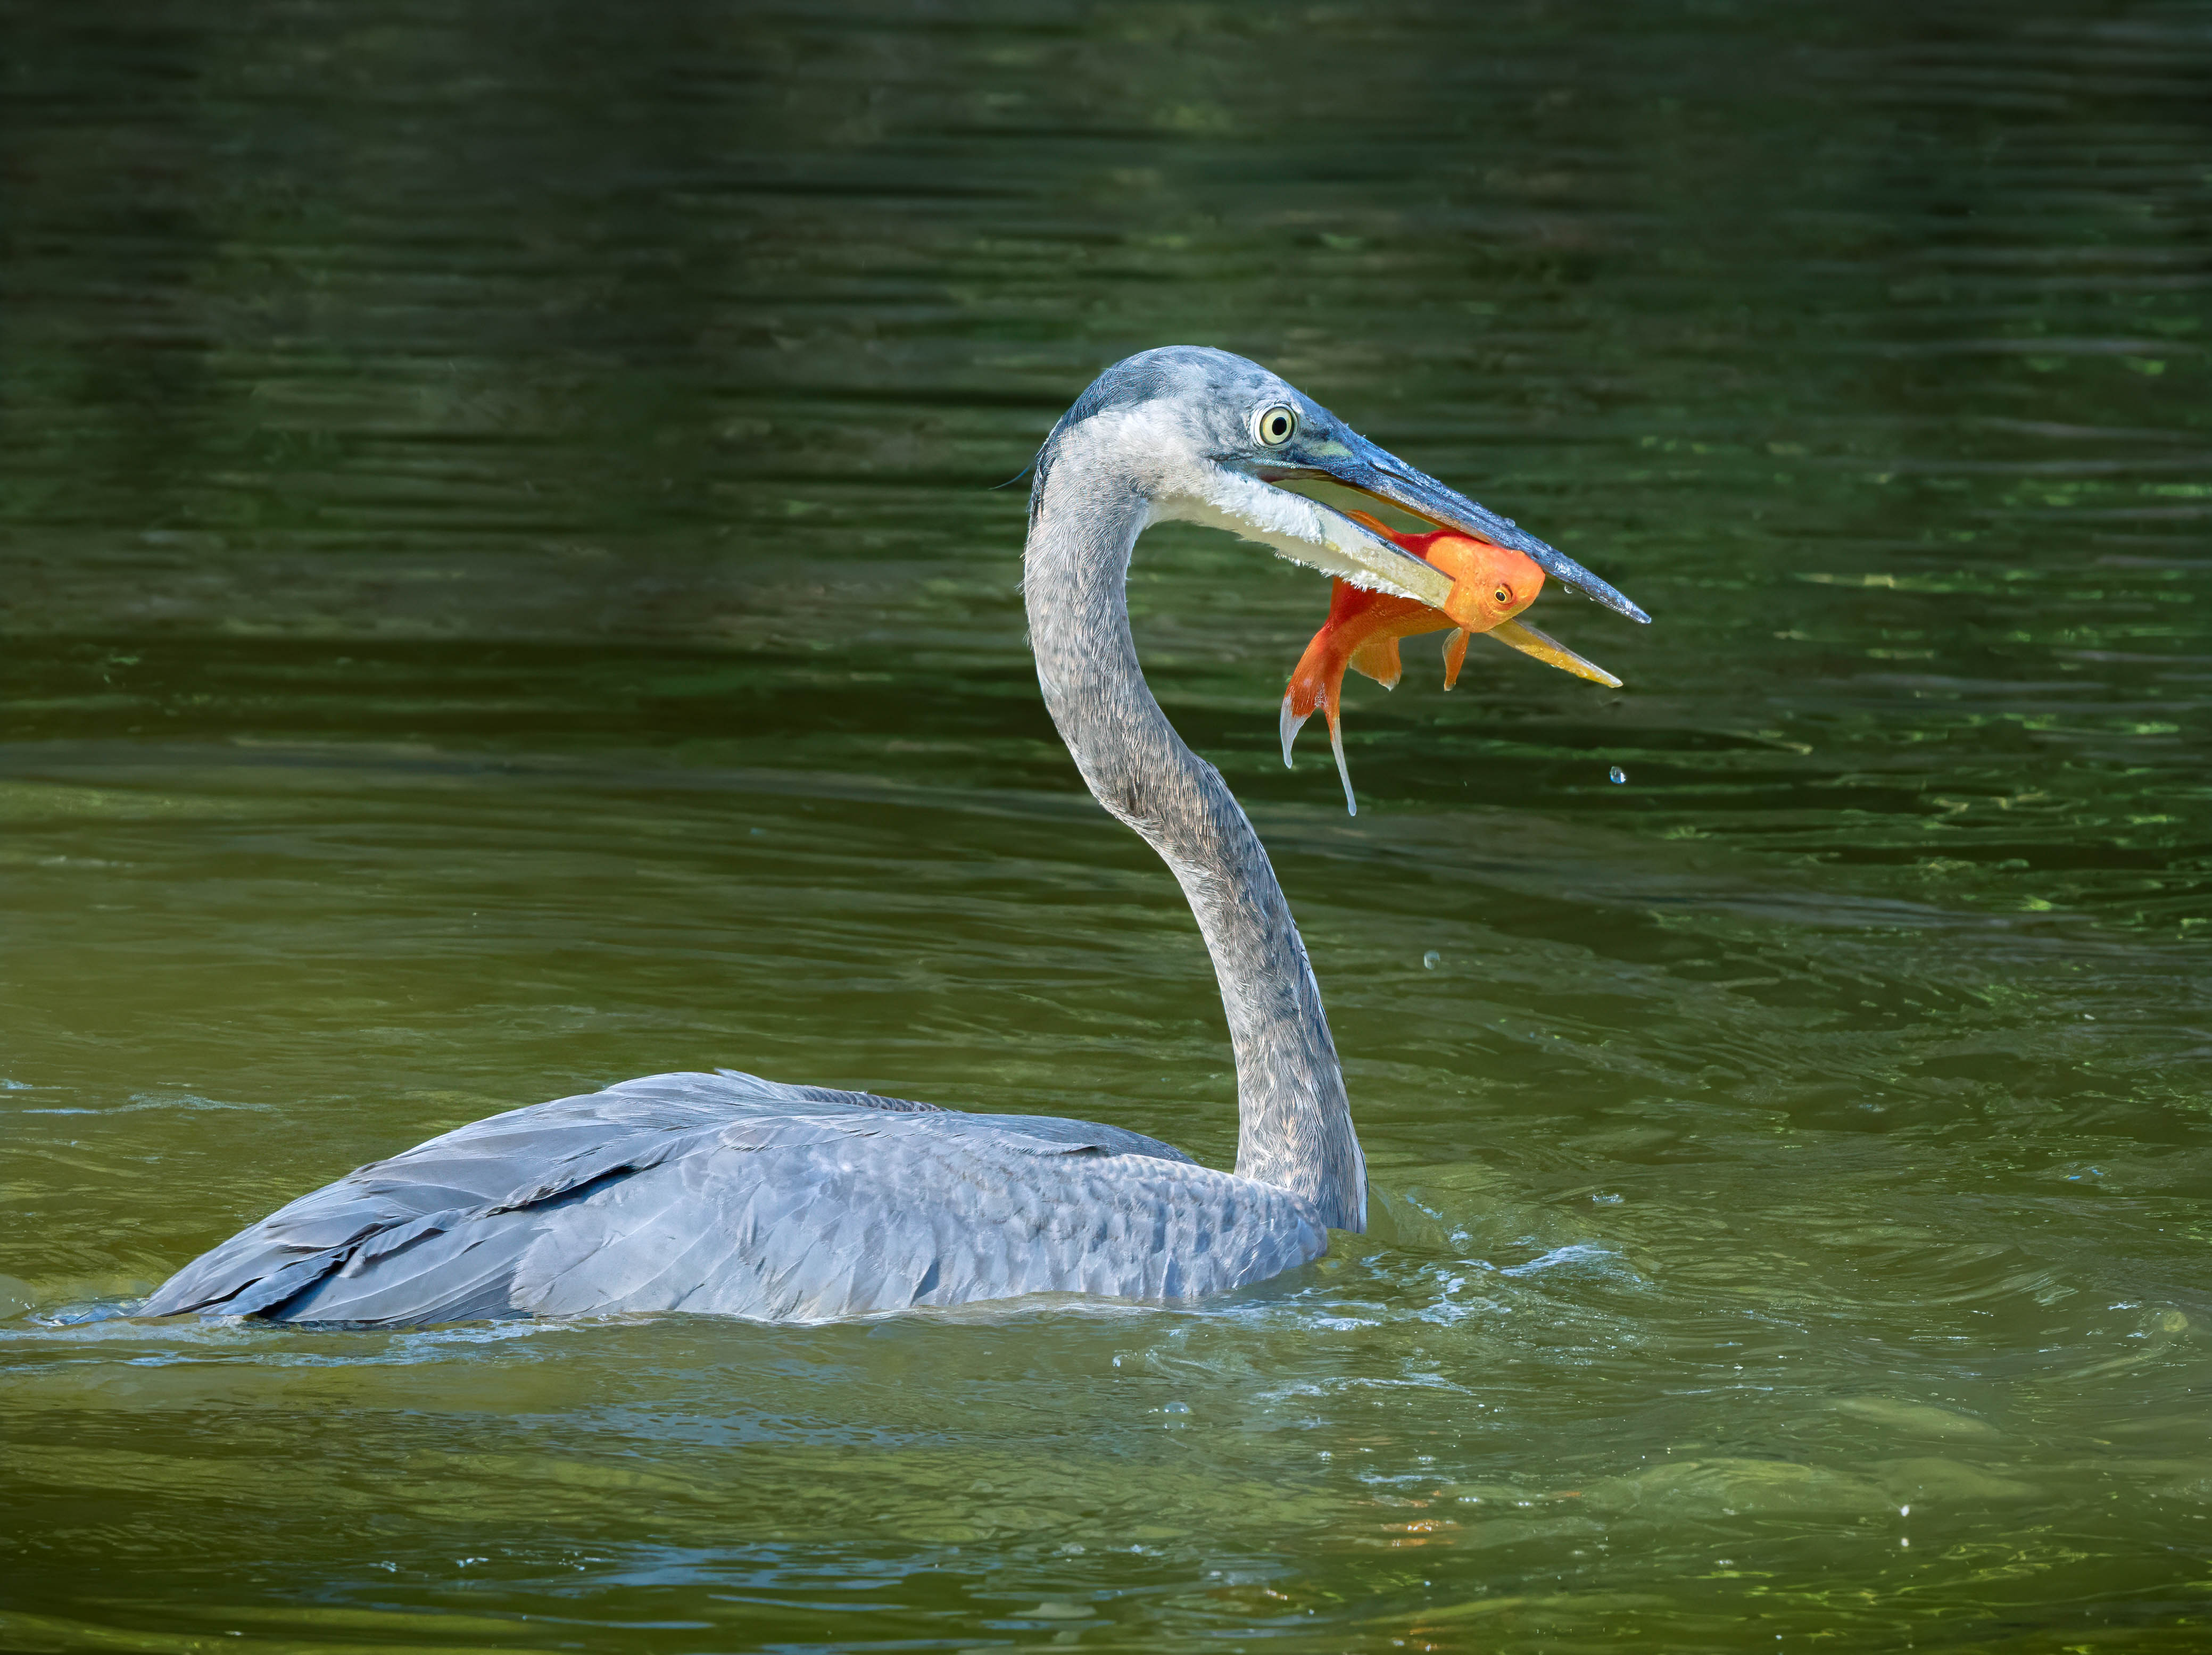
(1454,655)
(1377,658)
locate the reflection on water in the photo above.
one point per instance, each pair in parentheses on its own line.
(502,591)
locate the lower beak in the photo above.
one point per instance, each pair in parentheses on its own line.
(1519,635)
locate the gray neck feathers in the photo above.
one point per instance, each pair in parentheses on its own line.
(1294,1126)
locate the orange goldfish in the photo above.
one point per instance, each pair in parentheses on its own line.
(1490,584)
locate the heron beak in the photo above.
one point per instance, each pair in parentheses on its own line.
(1361,543)
(1347,458)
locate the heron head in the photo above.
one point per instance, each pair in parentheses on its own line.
(1215,437)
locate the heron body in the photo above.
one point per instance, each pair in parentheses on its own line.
(725,1193)
(729,1194)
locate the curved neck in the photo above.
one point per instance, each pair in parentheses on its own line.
(1294,1126)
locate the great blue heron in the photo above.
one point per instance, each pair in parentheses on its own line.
(730,1194)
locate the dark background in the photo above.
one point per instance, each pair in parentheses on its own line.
(502,589)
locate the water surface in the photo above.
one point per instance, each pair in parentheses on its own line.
(502,591)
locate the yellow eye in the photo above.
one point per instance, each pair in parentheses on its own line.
(1275,425)
(1503,594)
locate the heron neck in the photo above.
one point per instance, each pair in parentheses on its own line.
(1294,1125)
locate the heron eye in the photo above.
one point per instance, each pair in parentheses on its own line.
(1503,594)
(1275,425)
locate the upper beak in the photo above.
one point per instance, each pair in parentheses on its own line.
(1349,460)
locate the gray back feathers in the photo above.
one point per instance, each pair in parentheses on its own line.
(731,1194)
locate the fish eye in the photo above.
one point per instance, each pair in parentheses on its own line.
(1503,594)
(1274,425)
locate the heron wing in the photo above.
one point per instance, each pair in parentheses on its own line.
(730,1194)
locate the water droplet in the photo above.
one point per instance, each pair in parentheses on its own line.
(1616,775)
(1431,960)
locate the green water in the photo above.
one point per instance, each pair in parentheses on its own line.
(501,591)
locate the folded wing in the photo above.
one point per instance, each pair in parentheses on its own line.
(730,1194)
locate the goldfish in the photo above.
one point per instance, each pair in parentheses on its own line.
(1490,584)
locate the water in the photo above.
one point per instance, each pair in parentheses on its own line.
(502,591)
